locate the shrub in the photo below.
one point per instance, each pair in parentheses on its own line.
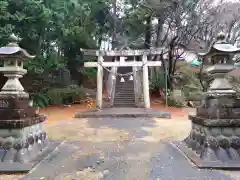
(195,96)
(157,81)
(41,99)
(176,100)
(68,95)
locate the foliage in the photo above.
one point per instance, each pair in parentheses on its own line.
(69,94)
(55,96)
(89,72)
(176,100)
(157,81)
(41,100)
(39,64)
(5,16)
(195,96)
(187,78)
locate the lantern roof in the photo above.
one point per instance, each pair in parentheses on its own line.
(221,46)
(12,50)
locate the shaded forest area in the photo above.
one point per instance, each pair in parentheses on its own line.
(55,30)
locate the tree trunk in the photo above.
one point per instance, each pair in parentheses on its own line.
(159,32)
(114,24)
(148,33)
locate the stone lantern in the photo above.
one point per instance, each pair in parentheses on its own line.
(13,56)
(214,141)
(22,138)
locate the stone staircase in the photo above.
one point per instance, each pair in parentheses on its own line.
(124,91)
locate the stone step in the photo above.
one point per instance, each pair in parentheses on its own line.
(124,97)
(127,102)
(124,105)
(119,86)
(130,88)
(125,87)
(124,94)
(125,91)
(124,84)
(124,100)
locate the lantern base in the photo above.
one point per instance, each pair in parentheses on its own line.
(214,141)
(28,157)
(212,147)
(15,94)
(23,143)
(17,109)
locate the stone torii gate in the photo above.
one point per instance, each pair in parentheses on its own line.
(122,54)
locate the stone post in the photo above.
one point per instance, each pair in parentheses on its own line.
(136,90)
(145,82)
(22,137)
(99,82)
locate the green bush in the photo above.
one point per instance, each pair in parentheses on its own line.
(175,100)
(56,96)
(69,94)
(41,100)
(89,72)
(157,81)
(188,89)
(195,96)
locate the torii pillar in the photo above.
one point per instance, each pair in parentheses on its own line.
(99,82)
(145,82)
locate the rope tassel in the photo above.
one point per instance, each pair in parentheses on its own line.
(122,79)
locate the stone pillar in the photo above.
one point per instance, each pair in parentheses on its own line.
(114,71)
(136,90)
(99,82)
(145,82)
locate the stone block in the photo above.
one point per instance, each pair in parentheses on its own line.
(15,108)
(213,147)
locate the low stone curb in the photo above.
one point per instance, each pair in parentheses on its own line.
(105,114)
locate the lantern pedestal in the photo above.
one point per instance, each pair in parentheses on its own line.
(23,141)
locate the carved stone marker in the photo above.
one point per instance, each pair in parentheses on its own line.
(214,141)
(23,141)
